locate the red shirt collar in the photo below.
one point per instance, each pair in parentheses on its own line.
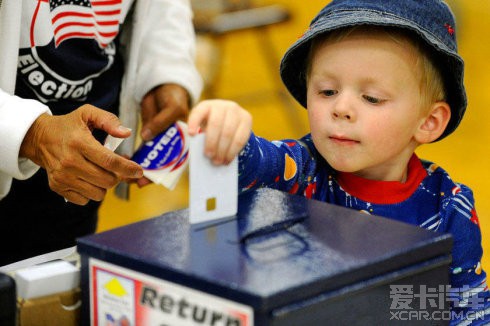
(384,192)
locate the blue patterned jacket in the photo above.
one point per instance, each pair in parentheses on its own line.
(429,198)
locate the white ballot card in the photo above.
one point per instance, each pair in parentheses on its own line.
(112,142)
(213,189)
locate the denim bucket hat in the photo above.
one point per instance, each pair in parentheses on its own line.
(431,20)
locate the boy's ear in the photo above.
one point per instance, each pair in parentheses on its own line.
(434,123)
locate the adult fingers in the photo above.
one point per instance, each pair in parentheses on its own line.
(99,155)
(122,167)
(149,109)
(97,118)
(158,123)
(161,107)
(75,189)
(75,198)
(85,145)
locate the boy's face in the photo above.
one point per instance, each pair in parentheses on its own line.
(363,105)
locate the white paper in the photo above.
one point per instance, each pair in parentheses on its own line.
(112,142)
(46,279)
(36,260)
(213,189)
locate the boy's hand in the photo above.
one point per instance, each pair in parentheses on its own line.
(227,126)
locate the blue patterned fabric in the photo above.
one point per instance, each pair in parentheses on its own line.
(429,198)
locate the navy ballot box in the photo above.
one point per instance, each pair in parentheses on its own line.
(282,260)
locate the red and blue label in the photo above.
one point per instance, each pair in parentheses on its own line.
(166,151)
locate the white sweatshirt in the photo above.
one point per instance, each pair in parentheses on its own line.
(160,49)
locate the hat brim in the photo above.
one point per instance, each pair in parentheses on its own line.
(293,65)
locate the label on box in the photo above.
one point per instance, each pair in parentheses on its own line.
(120,296)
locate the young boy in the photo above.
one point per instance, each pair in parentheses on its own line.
(378,78)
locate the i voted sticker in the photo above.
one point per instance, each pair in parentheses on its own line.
(164,158)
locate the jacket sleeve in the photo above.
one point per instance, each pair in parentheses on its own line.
(168,46)
(16,117)
(285,165)
(469,295)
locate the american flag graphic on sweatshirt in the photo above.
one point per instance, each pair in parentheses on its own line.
(94,19)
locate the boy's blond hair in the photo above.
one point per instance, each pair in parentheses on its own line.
(431,83)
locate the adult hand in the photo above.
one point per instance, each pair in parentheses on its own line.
(161,107)
(79,168)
